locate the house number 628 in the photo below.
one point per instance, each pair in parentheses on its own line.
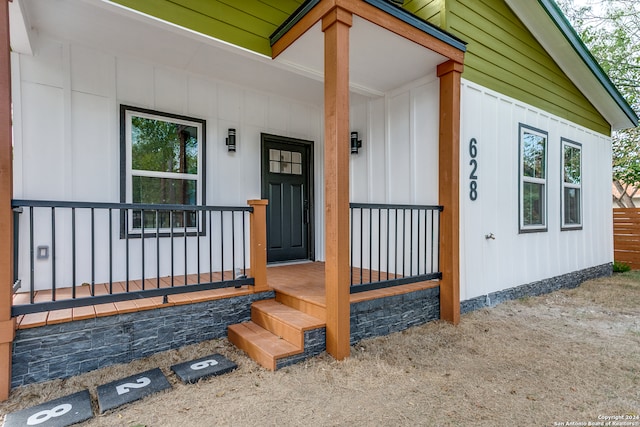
(473,178)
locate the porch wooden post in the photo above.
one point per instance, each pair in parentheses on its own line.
(7,324)
(448,192)
(258,244)
(335,25)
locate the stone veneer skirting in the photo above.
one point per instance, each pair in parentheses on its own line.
(565,281)
(396,313)
(68,349)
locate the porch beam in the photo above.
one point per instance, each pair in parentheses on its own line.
(336,25)
(372,14)
(449,189)
(7,324)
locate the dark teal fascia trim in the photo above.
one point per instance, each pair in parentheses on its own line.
(385,6)
(558,18)
(292,20)
(416,22)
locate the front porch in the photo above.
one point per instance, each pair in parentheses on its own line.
(416,63)
(275,328)
(301,282)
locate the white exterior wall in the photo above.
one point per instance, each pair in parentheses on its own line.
(514,259)
(67,138)
(398,161)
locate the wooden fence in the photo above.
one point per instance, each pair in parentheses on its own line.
(626,236)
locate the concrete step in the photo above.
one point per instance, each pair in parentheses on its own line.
(284,321)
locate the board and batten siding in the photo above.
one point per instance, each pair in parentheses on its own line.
(67,142)
(503,55)
(398,161)
(514,259)
(247,23)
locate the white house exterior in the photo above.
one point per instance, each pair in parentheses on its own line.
(77,65)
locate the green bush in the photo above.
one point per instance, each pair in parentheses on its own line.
(620,267)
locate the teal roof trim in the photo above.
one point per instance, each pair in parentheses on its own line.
(385,6)
(292,20)
(556,15)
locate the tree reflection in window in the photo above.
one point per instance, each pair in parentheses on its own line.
(533,179)
(165,167)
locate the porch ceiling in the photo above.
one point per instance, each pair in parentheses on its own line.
(380,60)
(120,31)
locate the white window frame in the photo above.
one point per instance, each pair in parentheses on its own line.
(126,114)
(531,228)
(568,143)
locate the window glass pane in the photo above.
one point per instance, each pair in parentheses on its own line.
(274,154)
(296,157)
(533,149)
(296,169)
(163,146)
(285,167)
(166,219)
(152,190)
(572,173)
(571,206)
(533,204)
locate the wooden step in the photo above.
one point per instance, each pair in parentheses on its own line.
(284,321)
(305,305)
(260,344)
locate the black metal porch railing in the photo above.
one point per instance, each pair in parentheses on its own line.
(393,245)
(82,253)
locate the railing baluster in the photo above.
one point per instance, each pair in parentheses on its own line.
(395,253)
(197,215)
(142,228)
(93,253)
(53,253)
(370,243)
(388,235)
(73,253)
(244,244)
(210,213)
(379,241)
(233,245)
(157,249)
(351,211)
(110,251)
(32,266)
(172,250)
(419,235)
(222,245)
(361,243)
(184,224)
(438,257)
(126,252)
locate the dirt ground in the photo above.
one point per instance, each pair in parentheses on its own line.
(566,358)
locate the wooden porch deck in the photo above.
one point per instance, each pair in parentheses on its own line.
(301,282)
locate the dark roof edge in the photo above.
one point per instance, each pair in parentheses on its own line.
(292,20)
(558,18)
(385,6)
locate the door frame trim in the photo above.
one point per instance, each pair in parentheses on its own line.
(309,147)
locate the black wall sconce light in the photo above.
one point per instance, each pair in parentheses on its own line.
(355,143)
(231,140)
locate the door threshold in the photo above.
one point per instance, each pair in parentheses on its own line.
(289,262)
